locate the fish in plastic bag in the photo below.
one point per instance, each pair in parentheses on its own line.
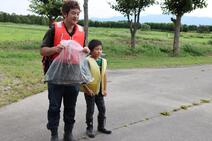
(69,66)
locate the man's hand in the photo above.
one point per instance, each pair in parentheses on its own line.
(59,48)
(86,50)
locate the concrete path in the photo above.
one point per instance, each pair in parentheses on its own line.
(135,100)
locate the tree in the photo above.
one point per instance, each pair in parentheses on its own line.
(85,5)
(179,8)
(49,8)
(132,9)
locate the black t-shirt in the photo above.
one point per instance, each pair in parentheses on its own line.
(48,39)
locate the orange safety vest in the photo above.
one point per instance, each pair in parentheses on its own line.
(62,34)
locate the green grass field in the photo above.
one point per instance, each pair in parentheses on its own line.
(20,62)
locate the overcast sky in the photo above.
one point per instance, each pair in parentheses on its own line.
(97,8)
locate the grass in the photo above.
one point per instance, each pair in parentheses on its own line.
(20,73)
(20,62)
(165,113)
(156,62)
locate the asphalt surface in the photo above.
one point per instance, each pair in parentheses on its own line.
(136,100)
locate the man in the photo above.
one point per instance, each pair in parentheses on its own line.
(50,48)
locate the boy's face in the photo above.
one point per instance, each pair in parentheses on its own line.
(73,16)
(96,52)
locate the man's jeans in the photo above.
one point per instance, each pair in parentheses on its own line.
(69,95)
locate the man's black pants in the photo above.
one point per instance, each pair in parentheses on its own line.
(57,93)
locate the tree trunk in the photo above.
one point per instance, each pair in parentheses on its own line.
(133,29)
(133,24)
(51,21)
(176,48)
(86,21)
(132,40)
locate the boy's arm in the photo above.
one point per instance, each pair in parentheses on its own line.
(87,90)
(104,93)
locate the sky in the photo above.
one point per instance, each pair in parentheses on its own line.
(97,9)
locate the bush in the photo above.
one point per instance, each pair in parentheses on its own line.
(145,27)
(194,51)
(152,50)
(210,42)
(203,29)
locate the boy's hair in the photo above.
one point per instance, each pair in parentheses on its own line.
(68,5)
(94,43)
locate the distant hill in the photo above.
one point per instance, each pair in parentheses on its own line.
(189,20)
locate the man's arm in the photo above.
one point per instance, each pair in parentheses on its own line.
(48,51)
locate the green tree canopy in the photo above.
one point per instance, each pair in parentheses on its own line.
(49,8)
(132,9)
(179,8)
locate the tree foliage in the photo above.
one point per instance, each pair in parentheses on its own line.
(179,8)
(26,19)
(132,9)
(48,8)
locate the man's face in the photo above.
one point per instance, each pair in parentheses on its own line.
(73,16)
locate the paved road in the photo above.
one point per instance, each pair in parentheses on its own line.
(136,99)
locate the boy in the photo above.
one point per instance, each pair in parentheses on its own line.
(96,90)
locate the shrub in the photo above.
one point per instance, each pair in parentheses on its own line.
(203,29)
(194,51)
(210,42)
(145,27)
(152,50)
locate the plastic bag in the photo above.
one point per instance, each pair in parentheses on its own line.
(69,66)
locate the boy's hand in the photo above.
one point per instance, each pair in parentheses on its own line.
(104,93)
(90,92)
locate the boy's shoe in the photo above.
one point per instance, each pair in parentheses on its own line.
(90,132)
(105,131)
(101,126)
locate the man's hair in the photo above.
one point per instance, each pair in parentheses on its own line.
(68,5)
(94,43)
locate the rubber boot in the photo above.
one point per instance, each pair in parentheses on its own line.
(101,126)
(54,135)
(68,136)
(89,129)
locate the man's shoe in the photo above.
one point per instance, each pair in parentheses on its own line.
(54,135)
(105,131)
(54,138)
(68,137)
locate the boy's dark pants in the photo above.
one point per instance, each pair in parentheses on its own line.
(69,95)
(90,101)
